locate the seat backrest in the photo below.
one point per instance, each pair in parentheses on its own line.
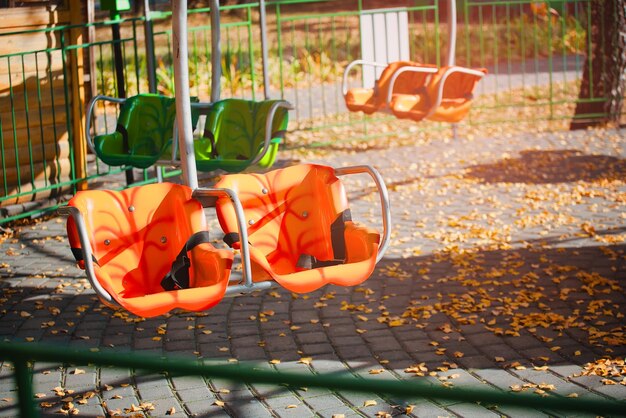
(147,121)
(136,233)
(407,83)
(289,212)
(238,126)
(457,85)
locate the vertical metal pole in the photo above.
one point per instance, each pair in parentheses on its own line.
(183,101)
(119,77)
(451,32)
(216,51)
(264,54)
(450,61)
(148,31)
(149,42)
(23,379)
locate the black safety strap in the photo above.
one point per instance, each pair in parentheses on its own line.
(279,134)
(78,255)
(178,276)
(125,144)
(337,236)
(231,238)
(338,241)
(209,134)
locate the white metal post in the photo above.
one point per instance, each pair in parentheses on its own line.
(264,55)
(451,32)
(183,101)
(216,52)
(451,46)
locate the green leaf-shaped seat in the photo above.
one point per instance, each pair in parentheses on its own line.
(143,133)
(235,133)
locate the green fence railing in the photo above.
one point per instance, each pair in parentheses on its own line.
(535,53)
(22,354)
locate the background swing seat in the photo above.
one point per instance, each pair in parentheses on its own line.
(299,228)
(133,237)
(143,133)
(397,78)
(241,133)
(447,97)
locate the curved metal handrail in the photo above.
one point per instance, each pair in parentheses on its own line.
(384,201)
(442,83)
(90,108)
(204,192)
(269,120)
(344,82)
(396,74)
(87,254)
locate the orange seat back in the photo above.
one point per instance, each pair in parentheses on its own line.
(289,212)
(372,100)
(457,94)
(135,235)
(299,227)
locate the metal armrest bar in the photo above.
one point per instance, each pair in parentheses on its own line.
(344,83)
(90,107)
(442,83)
(202,192)
(396,74)
(87,253)
(384,201)
(268,128)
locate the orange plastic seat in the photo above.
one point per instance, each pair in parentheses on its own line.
(299,228)
(372,100)
(447,97)
(146,240)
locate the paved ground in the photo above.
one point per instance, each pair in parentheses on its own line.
(507,270)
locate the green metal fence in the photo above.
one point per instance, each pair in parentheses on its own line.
(22,355)
(535,59)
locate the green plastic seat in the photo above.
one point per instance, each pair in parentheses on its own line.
(236,134)
(143,133)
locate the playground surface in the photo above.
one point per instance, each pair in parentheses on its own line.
(506,270)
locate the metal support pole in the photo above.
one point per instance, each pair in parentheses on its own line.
(264,54)
(24,381)
(216,51)
(149,35)
(148,30)
(183,101)
(452,46)
(119,76)
(451,32)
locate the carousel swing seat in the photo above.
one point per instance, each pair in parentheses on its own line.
(241,133)
(299,229)
(447,97)
(143,133)
(146,248)
(399,77)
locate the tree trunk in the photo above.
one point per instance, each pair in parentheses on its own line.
(604,75)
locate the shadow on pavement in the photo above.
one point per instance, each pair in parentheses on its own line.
(474,310)
(539,167)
